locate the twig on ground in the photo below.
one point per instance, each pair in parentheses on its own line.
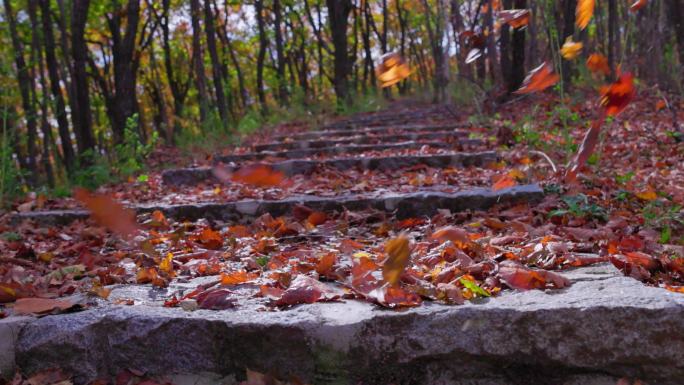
(548,159)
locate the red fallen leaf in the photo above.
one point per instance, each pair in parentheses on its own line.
(317,218)
(628,268)
(616,97)
(159,220)
(583,260)
(450,293)
(450,233)
(259,175)
(150,275)
(326,263)
(598,63)
(107,212)
(301,212)
(305,289)
(41,306)
(516,18)
(637,5)
(239,231)
(48,377)
(394,296)
(539,79)
(349,246)
(362,279)
(520,277)
(642,259)
(237,277)
(504,181)
(211,239)
(398,252)
(660,105)
(216,299)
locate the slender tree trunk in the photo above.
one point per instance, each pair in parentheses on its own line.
(261,57)
(338,13)
(280,51)
(505,47)
(25,87)
(517,73)
(81,118)
(612,33)
(569,7)
(491,43)
(53,72)
(217,72)
(676,12)
(198,61)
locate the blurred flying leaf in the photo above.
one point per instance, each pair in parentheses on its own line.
(539,79)
(584,13)
(516,18)
(398,252)
(107,212)
(598,63)
(392,69)
(571,49)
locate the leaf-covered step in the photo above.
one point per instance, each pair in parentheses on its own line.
(192,176)
(418,204)
(391,129)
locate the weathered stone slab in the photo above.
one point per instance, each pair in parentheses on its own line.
(342,150)
(9,333)
(603,327)
(410,205)
(313,135)
(191,176)
(360,139)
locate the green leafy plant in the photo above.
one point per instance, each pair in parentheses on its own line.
(579,206)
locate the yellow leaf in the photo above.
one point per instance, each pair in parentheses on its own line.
(166,264)
(648,195)
(571,49)
(398,252)
(584,12)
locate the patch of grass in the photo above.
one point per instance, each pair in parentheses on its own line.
(579,206)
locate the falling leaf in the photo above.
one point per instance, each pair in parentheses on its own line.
(392,69)
(584,12)
(259,175)
(41,306)
(305,289)
(598,63)
(473,55)
(618,95)
(398,252)
(516,18)
(539,79)
(637,5)
(571,49)
(107,212)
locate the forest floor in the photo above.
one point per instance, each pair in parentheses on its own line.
(410,204)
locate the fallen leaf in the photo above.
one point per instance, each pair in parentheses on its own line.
(326,263)
(584,13)
(520,277)
(571,49)
(305,289)
(237,277)
(107,212)
(660,105)
(539,79)
(41,306)
(398,252)
(259,175)
(216,299)
(211,239)
(450,233)
(317,218)
(647,195)
(503,182)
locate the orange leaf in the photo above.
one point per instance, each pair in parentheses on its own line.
(326,263)
(660,105)
(504,181)
(516,18)
(584,12)
(41,306)
(571,49)
(237,277)
(618,95)
(317,218)
(398,253)
(647,195)
(450,233)
(539,79)
(598,63)
(107,212)
(520,277)
(211,239)
(392,69)
(637,5)
(259,175)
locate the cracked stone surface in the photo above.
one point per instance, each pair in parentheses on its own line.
(191,176)
(411,205)
(603,327)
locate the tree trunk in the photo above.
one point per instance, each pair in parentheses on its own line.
(81,118)
(53,73)
(217,72)
(569,7)
(506,49)
(261,57)
(198,61)
(517,73)
(676,12)
(26,86)
(338,13)
(280,52)
(612,33)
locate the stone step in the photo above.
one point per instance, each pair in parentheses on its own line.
(365,138)
(409,205)
(192,176)
(396,129)
(605,326)
(344,150)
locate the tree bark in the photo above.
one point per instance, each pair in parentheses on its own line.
(53,73)
(517,73)
(25,87)
(280,52)
(612,33)
(198,61)
(261,56)
(338,13)
(676,12)
(81,118)
(217,72)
